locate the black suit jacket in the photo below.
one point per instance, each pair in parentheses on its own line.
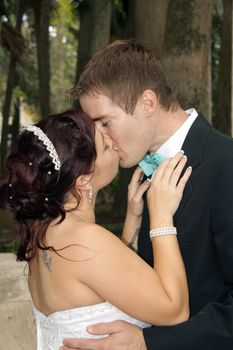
(204,221)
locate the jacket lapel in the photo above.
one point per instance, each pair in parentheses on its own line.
(195,140)
(193,147)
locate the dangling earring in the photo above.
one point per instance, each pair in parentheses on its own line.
(90,193)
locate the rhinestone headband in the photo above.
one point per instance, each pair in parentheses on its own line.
(46,141)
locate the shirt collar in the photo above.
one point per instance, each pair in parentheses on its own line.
(174,143)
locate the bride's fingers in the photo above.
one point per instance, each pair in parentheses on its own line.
(158,174)
(177,171)
(137,176)
(183,180)
(142,189)
(135,181)
(173,162)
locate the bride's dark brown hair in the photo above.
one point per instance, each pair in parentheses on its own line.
(33,190)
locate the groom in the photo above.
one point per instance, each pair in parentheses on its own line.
(124,89)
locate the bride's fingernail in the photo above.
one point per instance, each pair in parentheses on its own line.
(90,328)
(181,151)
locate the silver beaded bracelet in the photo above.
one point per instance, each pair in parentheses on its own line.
(161,231)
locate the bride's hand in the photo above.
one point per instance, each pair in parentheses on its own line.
(167,186)
(136,189)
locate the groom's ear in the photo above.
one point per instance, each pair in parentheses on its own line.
(83,182)
(148,102)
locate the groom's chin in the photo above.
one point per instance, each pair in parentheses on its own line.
(126,163)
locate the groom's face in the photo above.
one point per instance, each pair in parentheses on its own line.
(126,131)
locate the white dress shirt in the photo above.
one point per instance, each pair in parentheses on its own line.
(174,143)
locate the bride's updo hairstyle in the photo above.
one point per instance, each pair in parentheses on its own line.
(34,191)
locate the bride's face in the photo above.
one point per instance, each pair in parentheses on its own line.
(107,161)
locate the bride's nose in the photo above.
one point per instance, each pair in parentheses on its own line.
(108,141)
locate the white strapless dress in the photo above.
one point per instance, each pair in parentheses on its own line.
(72,323)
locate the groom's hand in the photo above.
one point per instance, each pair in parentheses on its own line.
(122,335)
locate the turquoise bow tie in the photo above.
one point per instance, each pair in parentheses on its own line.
(150,162)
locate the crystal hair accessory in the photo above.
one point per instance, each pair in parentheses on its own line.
(46,141)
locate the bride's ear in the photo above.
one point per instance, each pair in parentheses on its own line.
(83,182)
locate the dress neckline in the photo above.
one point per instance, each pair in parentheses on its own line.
(80,309)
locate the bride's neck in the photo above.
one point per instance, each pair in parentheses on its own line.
(85,210)
(85,216)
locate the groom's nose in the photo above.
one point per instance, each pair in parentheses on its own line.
(111,143)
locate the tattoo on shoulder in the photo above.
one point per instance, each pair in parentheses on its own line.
(133,240)
(47,260)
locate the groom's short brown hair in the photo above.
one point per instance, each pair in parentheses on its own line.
(122,71)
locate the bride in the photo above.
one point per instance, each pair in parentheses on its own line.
(80,273)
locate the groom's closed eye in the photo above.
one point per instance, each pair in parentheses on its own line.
(105,124)
(99,125)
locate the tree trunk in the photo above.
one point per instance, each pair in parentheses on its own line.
(94,37)
(42,10)
(186,53)
(222,120)
(9,92)
(147,22)
(16,119)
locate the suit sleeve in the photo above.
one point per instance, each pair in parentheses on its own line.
(212,327)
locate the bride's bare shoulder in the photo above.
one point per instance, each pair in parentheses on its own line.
(93,234)
(79,236)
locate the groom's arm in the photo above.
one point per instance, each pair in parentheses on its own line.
(122,335)
(212,327)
